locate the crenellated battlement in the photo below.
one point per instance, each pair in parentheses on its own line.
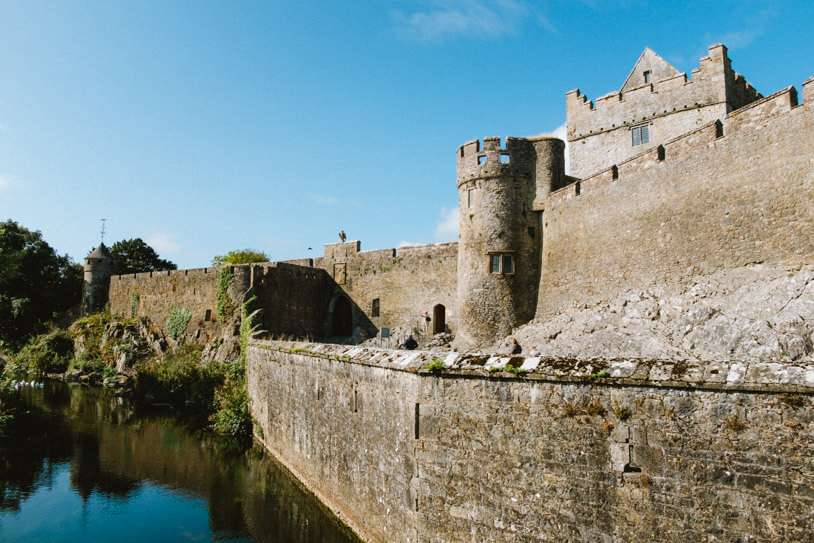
(518,157)
(753,116)
(656,99)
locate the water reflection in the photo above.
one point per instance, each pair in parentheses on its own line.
(83,465)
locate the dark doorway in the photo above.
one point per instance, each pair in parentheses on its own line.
(439,322)
(342,317)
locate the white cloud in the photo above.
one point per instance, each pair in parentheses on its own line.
(7,182)
(447,19)
(447,227)
(163,242)
(560,132)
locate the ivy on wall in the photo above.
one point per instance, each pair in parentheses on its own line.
(177,321)
(134,300)
(225,306)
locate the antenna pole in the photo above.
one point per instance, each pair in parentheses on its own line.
(103,230)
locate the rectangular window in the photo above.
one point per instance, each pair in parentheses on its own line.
(471,196)
(494,263)
(501,263)
(640,134)
(374,308)
(647,77)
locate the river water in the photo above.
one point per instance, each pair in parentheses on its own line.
(82,465)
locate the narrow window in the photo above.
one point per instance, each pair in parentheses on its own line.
(208,315)
(471,197)
(374,308)
(647,77)
(508,263)
(494,263)
(640,134)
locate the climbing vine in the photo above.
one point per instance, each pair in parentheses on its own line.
(225,306)
(177,321)
(134,300)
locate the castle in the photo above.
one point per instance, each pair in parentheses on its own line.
(672,178)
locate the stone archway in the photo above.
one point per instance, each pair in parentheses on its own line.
(439,322)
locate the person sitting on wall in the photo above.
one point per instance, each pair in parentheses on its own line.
(409,343)
(514,347)
(534,351)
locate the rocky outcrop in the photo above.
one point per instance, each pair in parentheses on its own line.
(754,313)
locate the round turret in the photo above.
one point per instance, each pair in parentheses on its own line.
(97,271)
(501,233)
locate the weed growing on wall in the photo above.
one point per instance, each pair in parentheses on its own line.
(177,321)
(134,300)
(224,304)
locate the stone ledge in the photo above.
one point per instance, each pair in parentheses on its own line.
(713,375)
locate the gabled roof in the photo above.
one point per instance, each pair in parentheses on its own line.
(650,61)
(100,252)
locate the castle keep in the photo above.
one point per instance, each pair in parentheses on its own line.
(672,178)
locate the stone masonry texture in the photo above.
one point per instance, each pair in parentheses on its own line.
(603,450)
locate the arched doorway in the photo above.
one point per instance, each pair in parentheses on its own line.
(342,317)
(439,322)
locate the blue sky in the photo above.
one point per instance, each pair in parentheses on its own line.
(203,127)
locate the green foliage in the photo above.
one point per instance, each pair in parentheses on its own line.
(622,413)
(48,353)
(177,321)
(224,304)
(793,400)
(232,417)
(9,402)
(134,300)
(600,374)
(245,256)
(181,381)
(134,256)
(436,366)
(36,285)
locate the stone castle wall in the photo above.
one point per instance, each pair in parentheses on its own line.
(702,203)
(599,132)
(405,281)
(603,450)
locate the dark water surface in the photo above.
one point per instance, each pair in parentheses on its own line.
(82,466)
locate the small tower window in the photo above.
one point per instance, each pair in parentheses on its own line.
(374,308)
(470,198)
(640,134)
(502,263)
(647,77)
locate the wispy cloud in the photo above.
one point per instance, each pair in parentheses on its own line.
(7,182)
(560,132)
(331,201)
(439,20)
(163,242)
(447,227)
(755,27)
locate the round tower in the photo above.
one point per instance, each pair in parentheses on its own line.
(502,193)
(98,269)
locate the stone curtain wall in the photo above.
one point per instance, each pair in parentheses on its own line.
(708,203)
(294,299)
(346,430)
(196,290)
(407,281)
(597,450)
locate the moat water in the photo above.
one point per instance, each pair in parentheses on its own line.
(82,465)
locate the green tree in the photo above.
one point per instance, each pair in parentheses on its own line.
(134,256)
(36,284)
(246,256)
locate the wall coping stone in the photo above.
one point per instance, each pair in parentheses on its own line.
(729,375)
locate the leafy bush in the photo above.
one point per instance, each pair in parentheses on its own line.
(180,381)
(134,300)
(177,321)
(48,353)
